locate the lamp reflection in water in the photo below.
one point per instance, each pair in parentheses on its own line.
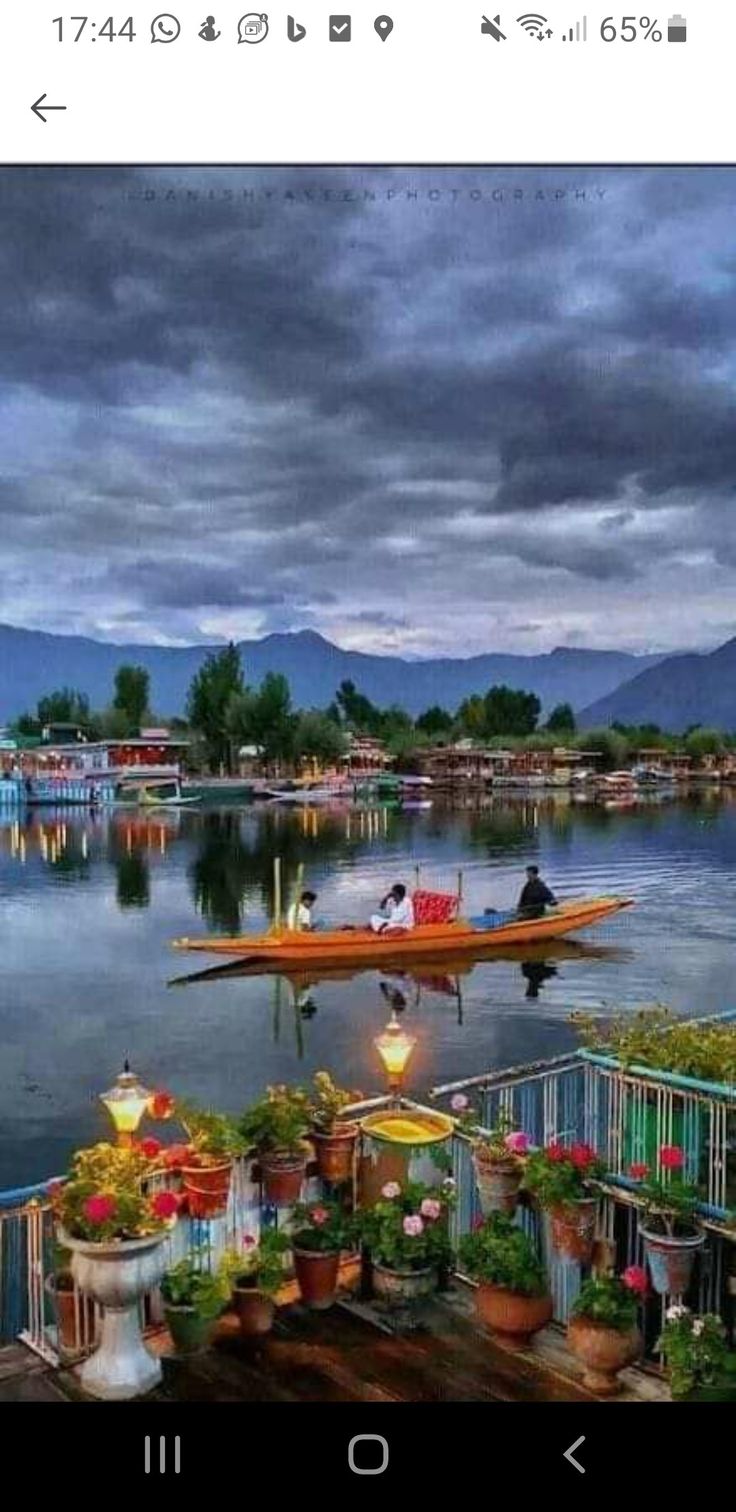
(395,1047)
(126,1102)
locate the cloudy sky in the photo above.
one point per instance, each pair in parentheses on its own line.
(418,411)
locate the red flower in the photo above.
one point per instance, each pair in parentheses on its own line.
(478,1223)
(150,1148)
(556,1151)
(176,1155)
(636,1279)
(319,1215)
(582,1156)
(164,1204)
(638,1172)
(162,1105)
(98,1209)
(248,1241)
(671,1158)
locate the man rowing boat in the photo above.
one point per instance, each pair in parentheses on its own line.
(535,896)
(396,911)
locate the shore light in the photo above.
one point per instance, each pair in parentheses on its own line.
(394,1046)
(126,1102)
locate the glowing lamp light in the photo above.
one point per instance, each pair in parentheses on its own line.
(394,1046)
(126,1102)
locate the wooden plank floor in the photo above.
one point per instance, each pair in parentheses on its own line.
(344,1355)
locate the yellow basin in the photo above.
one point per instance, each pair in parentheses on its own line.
(405,1126)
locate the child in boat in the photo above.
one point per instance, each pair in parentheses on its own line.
(396,911)
(300,914)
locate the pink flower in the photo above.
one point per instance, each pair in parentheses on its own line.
(319,1216)
(638,1171)
(165,1204)
(478,1222)
(636,1279)
(671,1158)
(582,1156)
(391,1190)
(98,1209)
(518,1144)
(248,1242)
(430,1208)
(413,1226)
(459,1103)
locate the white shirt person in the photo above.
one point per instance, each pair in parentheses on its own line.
(396,912)
(299,916)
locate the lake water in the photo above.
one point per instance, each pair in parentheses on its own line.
(88,906)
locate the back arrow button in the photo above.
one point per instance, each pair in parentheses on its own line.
(39,107)
(569,1454)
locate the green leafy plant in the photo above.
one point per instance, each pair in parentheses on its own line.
(695,1352)
(320,1227)
(328,1101)
(559,1174)
(669,1203)
(656,1038)
(407,1229)
(105,1195)
(186,1284)
(607,1300)
(278,1121)
(259,1263)
(213,1137)
(501,1254)
(502,1145)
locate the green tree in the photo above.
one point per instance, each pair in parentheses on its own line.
(472,717)
(510,711)
(613,748)
(701,743)
(113,724)
(64,706)
(562,718)
(357,711)
(132,686)
(435,721)
(318,736)
(210,691)
(274,720)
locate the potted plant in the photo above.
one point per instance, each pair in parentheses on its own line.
(254,1276)
(193,1297)
(406,1233)
(114,1229)
(668,1222)
(512,1296)
(318,1236)
(603,1332)
(206,1161)
(333,1137)
(496,1157)
(74,1314)
(701,1366)
(563,1181)
(276,1127)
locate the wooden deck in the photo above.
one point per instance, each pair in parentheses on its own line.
(349,1355)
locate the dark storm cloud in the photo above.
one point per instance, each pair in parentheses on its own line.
(237,399)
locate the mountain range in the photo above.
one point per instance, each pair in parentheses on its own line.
(33,663)
(683,690)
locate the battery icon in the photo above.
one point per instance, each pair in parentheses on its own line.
(677,29)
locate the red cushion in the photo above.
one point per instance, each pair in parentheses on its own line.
(434,908)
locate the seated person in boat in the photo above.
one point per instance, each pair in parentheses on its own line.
(535,896)
(396,911)
(300,914)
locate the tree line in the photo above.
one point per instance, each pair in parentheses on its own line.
(224,714)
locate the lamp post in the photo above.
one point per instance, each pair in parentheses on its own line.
(126,1102)
(394,1046)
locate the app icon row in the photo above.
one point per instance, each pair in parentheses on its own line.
(254,28)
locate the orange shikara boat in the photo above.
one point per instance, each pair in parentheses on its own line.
(459,937)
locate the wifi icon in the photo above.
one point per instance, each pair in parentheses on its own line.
(535,26)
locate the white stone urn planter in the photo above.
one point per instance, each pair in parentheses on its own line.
(116,1274)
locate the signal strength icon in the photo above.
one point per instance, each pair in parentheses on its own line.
(578,32)
(535,25)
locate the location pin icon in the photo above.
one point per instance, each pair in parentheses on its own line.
(384,26)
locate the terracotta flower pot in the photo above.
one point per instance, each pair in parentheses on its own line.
(670,1261)
(75,1317)
(207,1189)
(403,1288)
(498,1183)
(335,1152)
(189,1332)
(283,1175)
(511,1314)
(316,1273)
(604,1352)
(572,1229)
(255,1310)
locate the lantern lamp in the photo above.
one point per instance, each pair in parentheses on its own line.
(126,1102)
(394,1046)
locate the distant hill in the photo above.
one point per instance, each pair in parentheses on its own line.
(677,693)
(33,663)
